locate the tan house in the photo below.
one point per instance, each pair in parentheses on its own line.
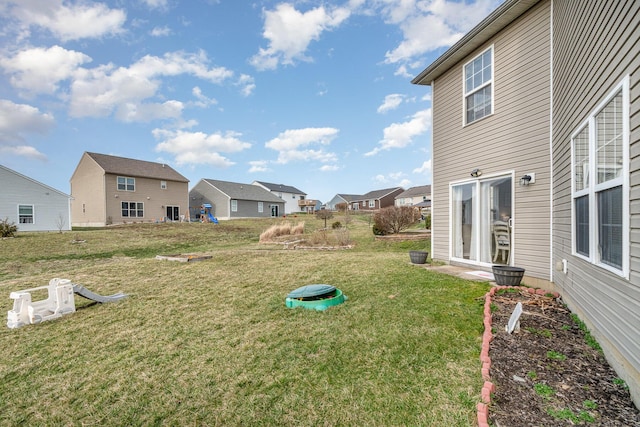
(109,190)
(535,125)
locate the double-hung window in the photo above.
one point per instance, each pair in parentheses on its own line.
(600,184)
(132,210)
(126,183)
(25,214)
(234,206)
(478,87)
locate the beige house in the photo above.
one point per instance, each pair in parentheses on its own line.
(109,190)
(535,125)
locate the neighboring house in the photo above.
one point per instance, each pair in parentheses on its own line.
(535,123)
(234,200)
(376,199)
(114,190)
(419,196)
(31,205)
(291,196)
(338,199)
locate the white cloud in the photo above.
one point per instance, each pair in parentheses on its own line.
(424,169)
(68,21)
(394,178)
(146,112)
(258,166)
(290,32)
(100,91)
(329,168)
(16,120)
(391,102)
(291,145)
(247,84)
(160,31)
(23,151)
(156,4)
(400,135)
(203,101)
(427,25)
(40,70)
(192,148)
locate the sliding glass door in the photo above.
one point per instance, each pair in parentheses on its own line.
(481,225)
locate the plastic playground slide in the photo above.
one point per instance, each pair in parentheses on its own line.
(212,218)
(86,293)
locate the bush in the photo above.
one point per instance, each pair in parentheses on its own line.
(427,222)
(393,219)
(286,229)
(336,224)
(7,229)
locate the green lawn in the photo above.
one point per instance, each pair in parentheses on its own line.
(212,343)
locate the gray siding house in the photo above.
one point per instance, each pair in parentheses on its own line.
(376,199)
(31,205)
(234,200)
(536,124)
(342,199)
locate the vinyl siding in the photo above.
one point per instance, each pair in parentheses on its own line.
(514,140)
(51,211)
(87,188)
(594,48)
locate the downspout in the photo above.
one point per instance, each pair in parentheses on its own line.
(551,195)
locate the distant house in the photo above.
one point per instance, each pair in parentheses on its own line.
(230,200)
(536,126)
(290,195)
(114,190)
(419,196)
(345,199)
(376,199)
(32,205)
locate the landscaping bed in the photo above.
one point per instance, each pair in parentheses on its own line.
(551,372)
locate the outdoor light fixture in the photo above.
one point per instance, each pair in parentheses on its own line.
(476,173)
(526,180)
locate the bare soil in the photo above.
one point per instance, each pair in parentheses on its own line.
(549,373)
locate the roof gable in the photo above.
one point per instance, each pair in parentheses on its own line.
(416,191)
(33,181)
(378,194)
(241,191)
(136,168)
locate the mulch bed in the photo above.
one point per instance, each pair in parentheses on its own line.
(549,373)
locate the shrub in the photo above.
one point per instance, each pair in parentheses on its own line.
(393,219)
(427,222)
(336,225)
(7,229)
(281,230)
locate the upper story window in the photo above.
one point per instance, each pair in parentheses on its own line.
(163,185)
(478,87)
(25,214)
(600,185)
(126,183)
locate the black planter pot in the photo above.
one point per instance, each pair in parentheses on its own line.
(418,257)
(506,275)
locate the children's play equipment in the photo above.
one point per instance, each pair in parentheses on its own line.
(205,214)
(60,301)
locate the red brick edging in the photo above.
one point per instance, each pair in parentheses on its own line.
(487,336)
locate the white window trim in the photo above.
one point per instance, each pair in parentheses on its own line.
(594,187)
(465,94)
(33,213)
(163,185)
(260,207)
(129,209)
(125,183)
(234,205)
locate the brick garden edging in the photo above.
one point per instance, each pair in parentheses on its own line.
(488,387)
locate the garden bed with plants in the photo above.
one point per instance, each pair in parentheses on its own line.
(552,371)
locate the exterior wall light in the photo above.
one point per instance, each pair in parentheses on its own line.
(528,178)
(476,173)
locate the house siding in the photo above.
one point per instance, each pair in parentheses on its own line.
(595,47)
(513,140)
(89,205)
(204,192)
(51,208)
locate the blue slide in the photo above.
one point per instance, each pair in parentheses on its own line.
(212,218)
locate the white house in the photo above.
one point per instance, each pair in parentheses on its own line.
(290,195)
(32,205)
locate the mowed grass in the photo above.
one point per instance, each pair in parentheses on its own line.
(212,343)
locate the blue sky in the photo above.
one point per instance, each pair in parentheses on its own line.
(312,94)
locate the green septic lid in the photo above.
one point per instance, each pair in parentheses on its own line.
(310,291)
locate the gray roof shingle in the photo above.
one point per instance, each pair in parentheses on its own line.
(240,191)
(136,168)
(281,187)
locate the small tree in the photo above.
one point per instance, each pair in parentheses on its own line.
(7,229)
(324,214)
(60,222)
(393,219)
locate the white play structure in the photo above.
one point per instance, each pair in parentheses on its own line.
(60,301)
